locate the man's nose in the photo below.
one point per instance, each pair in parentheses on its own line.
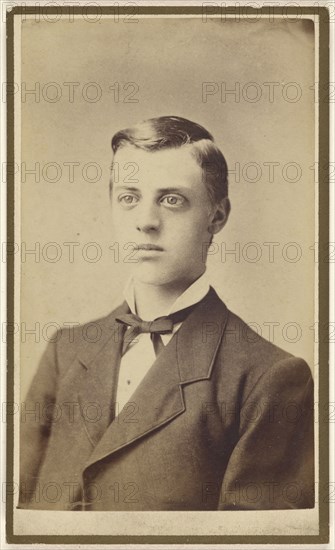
(148,218)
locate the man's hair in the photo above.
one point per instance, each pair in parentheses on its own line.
(171,132)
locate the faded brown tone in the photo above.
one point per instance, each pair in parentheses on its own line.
(169,59)
(223,420)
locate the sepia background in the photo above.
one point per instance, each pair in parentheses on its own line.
(91,78)
(94,78)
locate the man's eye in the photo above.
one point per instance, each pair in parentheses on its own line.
(173,200)
(127,199)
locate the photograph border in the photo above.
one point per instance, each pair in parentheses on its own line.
(323,274)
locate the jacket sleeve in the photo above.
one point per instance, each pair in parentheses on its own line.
(272,464)
(36,421)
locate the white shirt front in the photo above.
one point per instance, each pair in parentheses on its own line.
(140,354)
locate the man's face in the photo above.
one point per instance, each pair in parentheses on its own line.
(159,200)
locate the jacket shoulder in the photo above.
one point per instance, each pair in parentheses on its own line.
(246,355)
(89,336)
(249,342)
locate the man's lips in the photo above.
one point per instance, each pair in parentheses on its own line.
(148,247)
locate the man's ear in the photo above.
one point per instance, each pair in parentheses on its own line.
(219,216)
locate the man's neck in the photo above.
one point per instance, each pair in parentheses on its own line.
(153,301)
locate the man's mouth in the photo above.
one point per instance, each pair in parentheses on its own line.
(148,247)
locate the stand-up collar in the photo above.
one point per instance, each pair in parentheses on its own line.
(192,295)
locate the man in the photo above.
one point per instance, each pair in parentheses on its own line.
(175,404)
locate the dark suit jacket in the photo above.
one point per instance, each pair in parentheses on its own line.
(223,420)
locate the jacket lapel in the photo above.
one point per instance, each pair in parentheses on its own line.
(99,360)
(188,357)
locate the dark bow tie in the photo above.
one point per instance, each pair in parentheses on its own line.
(161,325)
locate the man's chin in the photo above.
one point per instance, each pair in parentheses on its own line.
(150,275)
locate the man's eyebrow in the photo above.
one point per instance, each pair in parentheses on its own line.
(127,188)
(173,189)
(159,191)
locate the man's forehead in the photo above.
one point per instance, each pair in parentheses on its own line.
(162,168)
(178,159)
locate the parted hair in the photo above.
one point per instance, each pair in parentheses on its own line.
(169,132)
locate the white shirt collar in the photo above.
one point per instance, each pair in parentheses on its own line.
(192,295)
